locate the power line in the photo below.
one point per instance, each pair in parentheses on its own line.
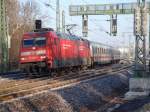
(48,5)
(54,9)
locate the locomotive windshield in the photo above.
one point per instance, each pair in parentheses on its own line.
(28,42)
(38,41)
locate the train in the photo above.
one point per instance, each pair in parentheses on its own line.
(45,51)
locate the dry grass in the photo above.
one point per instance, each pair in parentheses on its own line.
(50,102)
(84,109)
(145,108)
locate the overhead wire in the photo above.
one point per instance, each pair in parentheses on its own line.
(68,18)
(48,5)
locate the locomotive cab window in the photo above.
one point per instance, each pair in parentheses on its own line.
(38,41)
(28,42)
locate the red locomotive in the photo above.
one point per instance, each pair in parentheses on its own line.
(45,50)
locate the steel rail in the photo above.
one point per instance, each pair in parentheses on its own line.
(36,87)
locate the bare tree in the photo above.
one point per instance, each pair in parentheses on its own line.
(29,11)
(12,10)
(20,19)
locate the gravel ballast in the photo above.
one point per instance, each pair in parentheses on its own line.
(94,94)
(86,96)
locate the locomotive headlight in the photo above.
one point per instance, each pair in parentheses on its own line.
(41,52)
(22,59)
(43,57)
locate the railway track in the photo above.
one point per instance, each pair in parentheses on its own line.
(11,91)
(12,83)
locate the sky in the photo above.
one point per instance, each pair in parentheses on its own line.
(97,24)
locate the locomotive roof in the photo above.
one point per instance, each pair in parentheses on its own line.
(68,36)
(73,37)
(59,34)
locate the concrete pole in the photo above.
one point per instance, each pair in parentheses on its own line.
(149,42)
(57,16)
(63,21)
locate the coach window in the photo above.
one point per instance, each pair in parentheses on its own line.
(100,50)
(95,50)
